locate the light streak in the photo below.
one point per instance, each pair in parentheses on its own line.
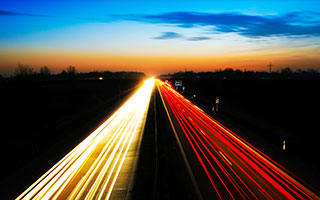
(234,168)
(225,158)
(91,169)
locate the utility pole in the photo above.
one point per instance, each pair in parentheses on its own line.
(270,65)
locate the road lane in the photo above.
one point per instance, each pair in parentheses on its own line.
(223,164)
(101,166)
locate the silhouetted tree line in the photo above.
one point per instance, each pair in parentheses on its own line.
(229,73)
(26,72)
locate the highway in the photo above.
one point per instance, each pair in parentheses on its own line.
(222,165)
(102,165)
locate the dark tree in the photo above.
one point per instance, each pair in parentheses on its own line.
(23,70)
(45,71)
(286,72)
(71,70)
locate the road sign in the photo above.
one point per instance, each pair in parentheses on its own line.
(217,100)
(178,83)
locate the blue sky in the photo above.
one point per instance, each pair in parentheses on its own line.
(244,30)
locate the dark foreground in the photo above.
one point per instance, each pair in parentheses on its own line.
(44,120)
(266,113)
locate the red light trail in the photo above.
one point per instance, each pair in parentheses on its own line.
(232,167)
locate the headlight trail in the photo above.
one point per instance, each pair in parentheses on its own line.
(91,169)
(224,165)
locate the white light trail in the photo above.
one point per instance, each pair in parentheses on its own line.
(91,169)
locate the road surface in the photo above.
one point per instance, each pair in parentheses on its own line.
(102,165)
(221,164)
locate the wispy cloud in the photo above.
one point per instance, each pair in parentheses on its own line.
(174,35)
(168,35)
(291,24)
(200,38)
(7,13)
(11,13)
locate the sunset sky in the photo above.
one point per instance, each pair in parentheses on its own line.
(159,36)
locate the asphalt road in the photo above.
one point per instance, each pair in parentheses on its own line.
(102,165)
(221,164)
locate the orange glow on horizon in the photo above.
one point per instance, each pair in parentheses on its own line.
(84,62)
